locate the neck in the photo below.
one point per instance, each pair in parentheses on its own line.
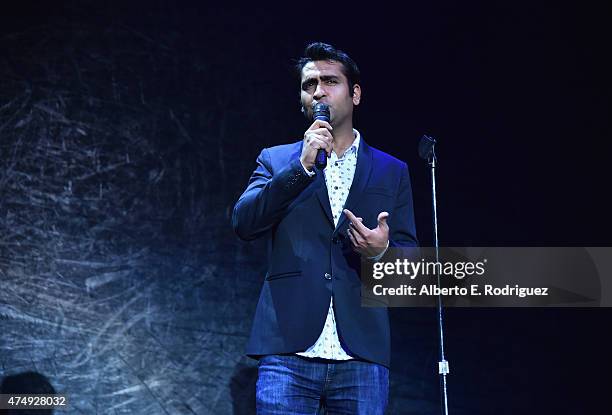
(343,138)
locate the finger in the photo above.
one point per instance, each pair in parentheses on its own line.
(382,220)
(315,143)
(358,237)
(354,243)
(323,131)
(318,143)
(351,237)
(320,124)
(326,136)
(360,227)
(322,137)
(326,144)
(350,215)
(328,141)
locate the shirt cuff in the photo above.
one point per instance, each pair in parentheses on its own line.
(379,256)
(309,173)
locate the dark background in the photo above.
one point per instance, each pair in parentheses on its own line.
(128,131)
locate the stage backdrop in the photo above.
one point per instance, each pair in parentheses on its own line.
(127,132)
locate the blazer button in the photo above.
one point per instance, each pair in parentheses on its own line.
(327,276)
(336,240)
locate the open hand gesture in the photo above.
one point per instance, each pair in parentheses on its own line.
(368,242)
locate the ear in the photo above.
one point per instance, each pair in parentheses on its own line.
(356,94)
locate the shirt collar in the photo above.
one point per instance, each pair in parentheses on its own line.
(356,142)
(352,149)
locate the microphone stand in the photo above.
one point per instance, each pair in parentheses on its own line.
(426,151)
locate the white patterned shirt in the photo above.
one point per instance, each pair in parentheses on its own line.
(339,175)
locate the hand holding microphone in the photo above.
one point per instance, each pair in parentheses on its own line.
(317,139)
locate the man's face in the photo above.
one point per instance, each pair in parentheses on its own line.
(324,81)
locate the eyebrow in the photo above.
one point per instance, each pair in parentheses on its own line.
(329,77)
(323,78)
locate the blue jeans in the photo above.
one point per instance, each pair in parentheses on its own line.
(288,384)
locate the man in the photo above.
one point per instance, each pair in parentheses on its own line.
(318,347)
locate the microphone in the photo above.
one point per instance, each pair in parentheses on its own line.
(321,112)
(426,147)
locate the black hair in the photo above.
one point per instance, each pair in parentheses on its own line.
(319,51)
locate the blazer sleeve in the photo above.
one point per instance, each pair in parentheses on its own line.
(401,223)
(267,196)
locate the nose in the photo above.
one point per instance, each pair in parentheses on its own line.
(319,92)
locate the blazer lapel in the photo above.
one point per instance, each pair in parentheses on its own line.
(320,189)
(360,180)
(323,196)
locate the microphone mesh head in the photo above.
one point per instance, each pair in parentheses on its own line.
(320,111)
(426,146)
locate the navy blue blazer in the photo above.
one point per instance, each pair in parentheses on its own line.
(309,259)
